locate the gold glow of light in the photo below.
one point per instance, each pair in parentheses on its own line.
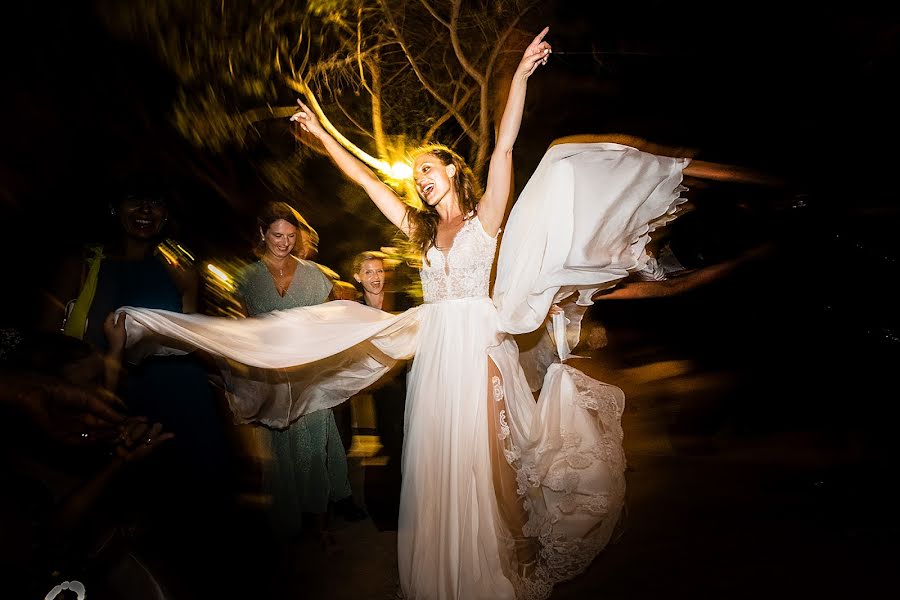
(219,274)
(185,251)
(170,256)
(400,170)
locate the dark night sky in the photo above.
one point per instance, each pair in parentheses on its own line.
(804,93)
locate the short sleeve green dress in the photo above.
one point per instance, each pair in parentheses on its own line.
(309,463)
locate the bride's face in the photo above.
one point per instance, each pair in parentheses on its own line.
(433,179)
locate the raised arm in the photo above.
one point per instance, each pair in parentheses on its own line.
(384,197)
(492,207)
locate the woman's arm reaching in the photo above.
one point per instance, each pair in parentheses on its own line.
(492,207)
(384,197)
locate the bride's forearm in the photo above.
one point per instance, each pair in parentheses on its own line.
(350,165)
(511,121)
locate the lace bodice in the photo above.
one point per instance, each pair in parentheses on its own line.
(462,272)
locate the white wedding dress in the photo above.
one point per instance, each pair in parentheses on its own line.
(502,495)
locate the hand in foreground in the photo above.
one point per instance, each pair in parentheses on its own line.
(139,438)
(72,414)
(536,54)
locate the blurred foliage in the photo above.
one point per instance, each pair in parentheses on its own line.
(387,74)
(384,72)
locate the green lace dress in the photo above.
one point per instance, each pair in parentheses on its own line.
(309,465)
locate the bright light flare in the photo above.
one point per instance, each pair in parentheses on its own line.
(400,170)
(219,274)
(397,171)
(167,253)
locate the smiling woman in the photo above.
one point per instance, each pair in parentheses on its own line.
(131,262)
(190,476)
(143,215)
(308,470)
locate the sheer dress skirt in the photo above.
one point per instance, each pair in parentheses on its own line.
(502,495)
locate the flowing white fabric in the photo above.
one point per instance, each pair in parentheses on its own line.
(581,224)
(503,496)
(283,364)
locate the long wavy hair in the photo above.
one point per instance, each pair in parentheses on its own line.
(423,219)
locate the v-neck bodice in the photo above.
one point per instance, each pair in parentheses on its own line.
(464,270)
(256,287)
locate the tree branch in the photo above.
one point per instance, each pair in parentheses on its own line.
(434,14)
(460,55)
(444,117)
(501,41)
(467,127)
(355,123)
(301,87)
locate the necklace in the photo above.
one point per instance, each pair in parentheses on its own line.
(282,281)
(272,269)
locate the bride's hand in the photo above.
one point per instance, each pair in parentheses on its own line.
(536,54)
(307,119)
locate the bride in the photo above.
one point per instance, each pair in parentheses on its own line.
(502,495)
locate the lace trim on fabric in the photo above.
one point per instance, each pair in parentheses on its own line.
(548,484)
(465,270)
(497,384)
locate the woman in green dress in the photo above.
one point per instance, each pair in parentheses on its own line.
(309,464)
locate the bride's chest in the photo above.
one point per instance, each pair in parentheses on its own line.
(469,248)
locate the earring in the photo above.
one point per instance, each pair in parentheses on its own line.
(112,212)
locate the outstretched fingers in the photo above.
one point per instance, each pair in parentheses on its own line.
(302,113)
(537,53)
(306,118)
(96,406)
